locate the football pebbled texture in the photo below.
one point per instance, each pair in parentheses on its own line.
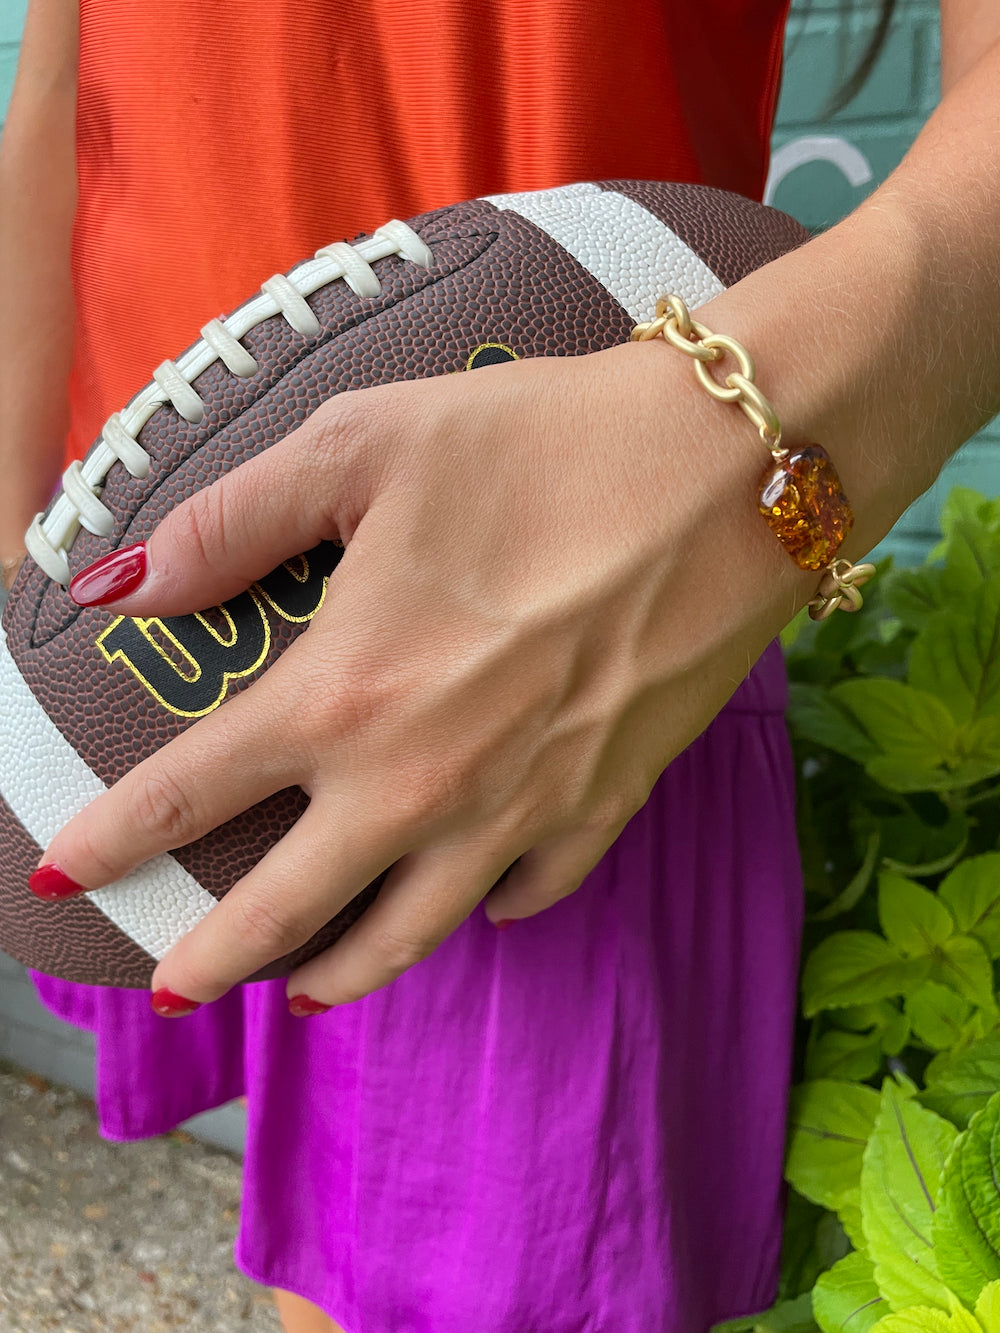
(85,695)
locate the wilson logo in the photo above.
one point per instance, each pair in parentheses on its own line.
(490,354)
(187,662)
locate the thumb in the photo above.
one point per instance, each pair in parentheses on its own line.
(312,486)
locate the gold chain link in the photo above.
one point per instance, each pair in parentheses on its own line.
(674,323)
(841,580)
(839,587)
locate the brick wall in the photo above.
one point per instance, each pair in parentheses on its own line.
(822,169)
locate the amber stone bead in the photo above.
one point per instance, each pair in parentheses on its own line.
(805,505)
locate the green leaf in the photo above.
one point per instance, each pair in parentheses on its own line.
(921,746)
(900,1178)
(840,641)
(816,715)
(961,1083)
(967,1225)
(844,1055)
(914,594)
(832,1243)
(964,964)
(975,757)
(915,848)
(785,1317)
(849,1216)
(911,916)
(812,1240)
(882,1020)
(846,1299)
(865,1017)
(957,657)
(883,659)
(977,753)
(962,1321)
(922,1319)
(905,724)
(829,1124)
(856,967)
(988,1307)
(972,554)
(980,1025)
(935,667)
(788,1317)
(853,891)
(896,1034)
(963,505)
(936,1014)
(972,893)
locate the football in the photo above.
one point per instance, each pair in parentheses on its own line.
(85,695)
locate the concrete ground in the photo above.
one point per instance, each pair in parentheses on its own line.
(99,1237)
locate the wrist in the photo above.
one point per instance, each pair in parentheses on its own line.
(843,376)
(798,492)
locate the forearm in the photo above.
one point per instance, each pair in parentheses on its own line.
(880,339)
(37,202)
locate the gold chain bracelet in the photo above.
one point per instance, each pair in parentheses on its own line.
(800,494)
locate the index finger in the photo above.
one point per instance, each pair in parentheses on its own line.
(223,764)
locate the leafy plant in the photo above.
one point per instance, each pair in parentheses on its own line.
(894,1146)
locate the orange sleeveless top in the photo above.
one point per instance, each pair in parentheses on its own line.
(221,142)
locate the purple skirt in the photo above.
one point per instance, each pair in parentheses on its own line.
(574,1126)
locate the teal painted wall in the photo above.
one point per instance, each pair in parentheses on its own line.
(822,168)
(851,153)
(11,22)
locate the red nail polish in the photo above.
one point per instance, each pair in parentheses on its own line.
(168,1004)
(303,1007)
(111,577)
(503,925)
(53,884)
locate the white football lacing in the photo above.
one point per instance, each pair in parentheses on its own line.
(79,502)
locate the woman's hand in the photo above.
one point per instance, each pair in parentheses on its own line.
(9,566)
(554,578)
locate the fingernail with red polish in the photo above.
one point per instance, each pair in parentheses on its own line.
(53,884)
(111,577)
(303,1007)
(504,925)
(168,1004)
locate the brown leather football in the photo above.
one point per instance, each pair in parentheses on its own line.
(85,695)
